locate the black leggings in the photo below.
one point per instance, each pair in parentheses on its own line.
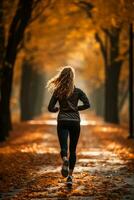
(71,128)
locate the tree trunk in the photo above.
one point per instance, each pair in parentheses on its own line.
(32,91)
(2,40)
(112,74)
(16,32)
(4,80)
(131,82)
(111,94)
(5,117)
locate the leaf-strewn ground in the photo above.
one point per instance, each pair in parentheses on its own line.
(30,163)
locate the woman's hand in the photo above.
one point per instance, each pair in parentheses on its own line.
(56,109)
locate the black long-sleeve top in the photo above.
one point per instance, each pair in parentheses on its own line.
(68,106)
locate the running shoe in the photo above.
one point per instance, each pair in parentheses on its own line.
(64,170)
(69,181)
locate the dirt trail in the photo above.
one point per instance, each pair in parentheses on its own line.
(30,163)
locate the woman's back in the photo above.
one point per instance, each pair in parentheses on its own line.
(69,105)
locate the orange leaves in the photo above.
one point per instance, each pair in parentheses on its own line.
(30,166)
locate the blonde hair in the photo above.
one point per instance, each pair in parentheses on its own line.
(63,82)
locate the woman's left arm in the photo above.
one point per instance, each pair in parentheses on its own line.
(84,99)
(51,106)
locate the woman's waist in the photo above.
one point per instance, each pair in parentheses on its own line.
(68,110)
(68,115)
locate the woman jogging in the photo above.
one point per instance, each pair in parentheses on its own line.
(68,120)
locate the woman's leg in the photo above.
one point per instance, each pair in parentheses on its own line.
(74,133)
(63,139)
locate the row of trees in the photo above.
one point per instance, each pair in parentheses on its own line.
(11,41)
(107,27)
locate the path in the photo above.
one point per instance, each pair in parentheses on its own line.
(30,163)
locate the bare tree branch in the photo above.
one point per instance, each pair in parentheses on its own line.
(106,31)
(103,49)
(35,4)
(39,13)
(86,6)
(17,28)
